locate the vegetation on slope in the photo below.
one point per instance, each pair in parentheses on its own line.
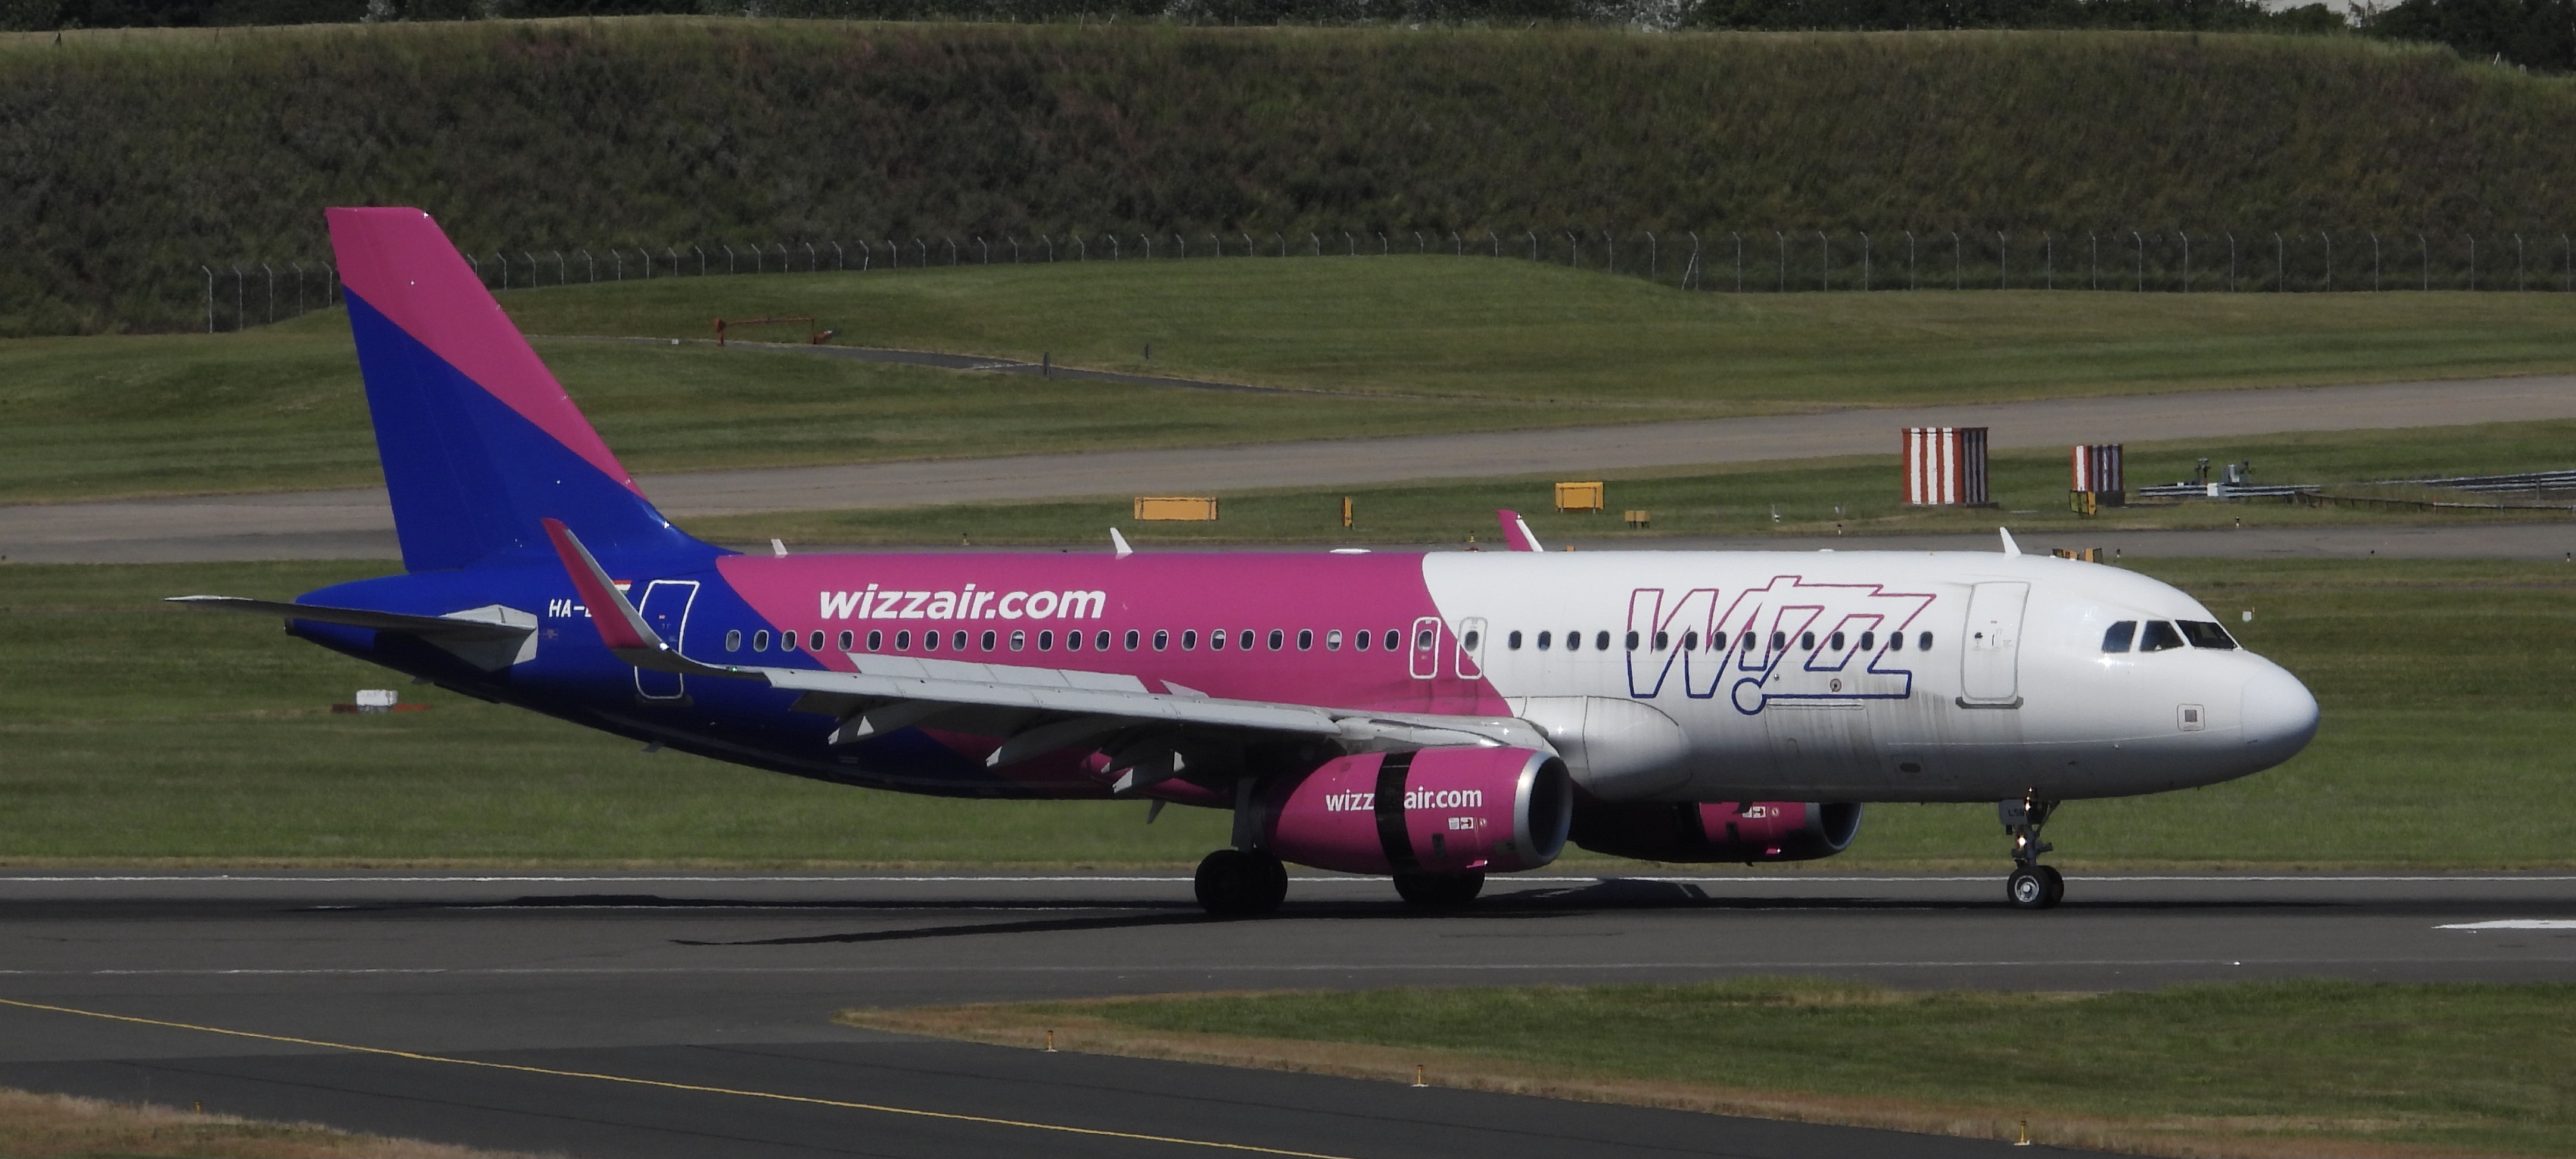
(137,157)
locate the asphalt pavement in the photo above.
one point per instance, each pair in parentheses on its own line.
(619,997)
(357,523)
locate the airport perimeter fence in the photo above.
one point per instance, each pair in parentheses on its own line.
(1729,261)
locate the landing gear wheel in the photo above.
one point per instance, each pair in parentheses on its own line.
(2056,884)
(2028,888)
(1439,890)
(1235,883)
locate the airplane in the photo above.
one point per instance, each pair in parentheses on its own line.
(1429,717)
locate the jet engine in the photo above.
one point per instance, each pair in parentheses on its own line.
(1444,810)
(1747,831)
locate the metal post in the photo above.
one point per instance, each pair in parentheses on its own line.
(841,258)
(1654,257)
(702,259)
(1958,259)
(1911,281)
(241,314)
(1573,250)
(1081,248)
(535,276)
(1824,261)
(1382,251)
(1050,244)
(210,298)
(2003,261)
(2428,261)
(729,262)
(2142,262)
(1114,252)
(1783,239)
(1533,238)
(505,268)
(813,260)
(1694,258)
(924,247)
(2328,237)
(471,260)
(1316,241)
(2231,262)
(1864,261)
(1457,245)
(2473,263)
(2280,263)
(617,262)
(2047,260)
(2518,284)
(952,252)
(1610,246)
(299,289)
(2374,262)
(1739,260)
(1350,244)
(2186,258)
(2093,241)
(2569,282)
(1148,239)
(590,267)
(1181,246)
(562,274)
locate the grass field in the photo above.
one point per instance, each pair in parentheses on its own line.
(1433,344)
(35,1126)
(137,733)
(1856,495)
(2324,1068)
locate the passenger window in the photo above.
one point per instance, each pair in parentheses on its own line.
(1543,638)
(1305,639)
(787,641)
(1631,642)
(1574,641)
(1278,639)
(817,640)
(1046,641)
(1663,641)
(1100,640)
(2118,637)
(1190,640)
(1019,640)
(876,642)
(1472,638)
(930,641)
(1513,641)
(1807,641)
(847,640)
(1333,640)
(733,640)
(1134,640)
(760,641)
(1923,641)
(1779,641)
(987,641)
(2158,637)
(2206,634)
(1869,641)
(1836,641)
(1162,638)
(1424,639)
(1896,641)
(1394,640)
(1073,641)
(1216,640)
(1601,641)
(1360,640)
(1690,641)
(1243,639)
(902,642)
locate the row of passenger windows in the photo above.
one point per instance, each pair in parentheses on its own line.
(2161,635)
(933,640)
(1749,641)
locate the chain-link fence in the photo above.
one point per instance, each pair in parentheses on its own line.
(1767,260)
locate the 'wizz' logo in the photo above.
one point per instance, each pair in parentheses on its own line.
(1787,640)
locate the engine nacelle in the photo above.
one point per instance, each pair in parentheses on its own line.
(1441,810)
(1748,831)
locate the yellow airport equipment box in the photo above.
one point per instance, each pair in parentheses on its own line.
(1581,496)
(1174,507)
(1640,519)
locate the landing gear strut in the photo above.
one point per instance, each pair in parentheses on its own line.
(2031,885)
(1239,883)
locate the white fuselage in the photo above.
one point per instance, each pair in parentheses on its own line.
(2000,687)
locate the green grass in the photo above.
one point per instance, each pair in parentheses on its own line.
(1436,344)
(1857,495)
(137,732)
(2454,1068)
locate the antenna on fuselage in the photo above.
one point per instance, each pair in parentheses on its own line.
(1119,543)
(2010,548)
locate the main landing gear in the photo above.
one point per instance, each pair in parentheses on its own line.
(2032,885)
(1439,890)
(1241,883)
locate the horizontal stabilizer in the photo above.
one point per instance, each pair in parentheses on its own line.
(361,618)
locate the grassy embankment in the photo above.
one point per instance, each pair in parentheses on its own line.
(2273,1069)
(143,734)
(35,1126)
(1427,345)
(146,155)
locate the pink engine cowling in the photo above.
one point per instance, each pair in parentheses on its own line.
(1437,810)
(1748,831)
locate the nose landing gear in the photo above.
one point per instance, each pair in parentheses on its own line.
(2031,885)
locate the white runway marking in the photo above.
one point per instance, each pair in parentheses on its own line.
(1243,968)
(2516,924)
(2113,878)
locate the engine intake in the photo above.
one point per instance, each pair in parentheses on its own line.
(1747,831)
(1437,810)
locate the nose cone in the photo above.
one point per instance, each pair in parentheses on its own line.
(2280,715)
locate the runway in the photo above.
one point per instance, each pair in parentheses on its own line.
(728,980)
(358,523)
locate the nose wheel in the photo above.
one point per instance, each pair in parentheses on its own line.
(2031,884)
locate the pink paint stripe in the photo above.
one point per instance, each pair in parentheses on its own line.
(608,610)
(402,264)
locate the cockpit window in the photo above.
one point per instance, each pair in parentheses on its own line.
(2158,637)
(2206,634)
(2117,639)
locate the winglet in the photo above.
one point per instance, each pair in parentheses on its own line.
(2010,548)
(620,626)
(1516,531)
(1118,543)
